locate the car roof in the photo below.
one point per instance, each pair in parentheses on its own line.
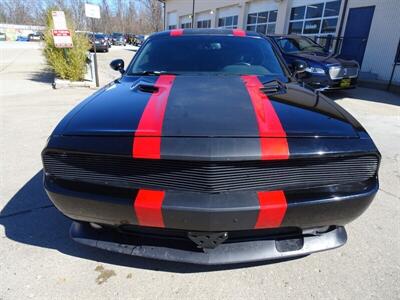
(206,31)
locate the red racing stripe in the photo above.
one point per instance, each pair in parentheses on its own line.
(273,140)
(238,32)
(272,209)
(176,32)
(147,207)
(147,140)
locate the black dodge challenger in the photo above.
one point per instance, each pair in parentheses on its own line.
(207,151)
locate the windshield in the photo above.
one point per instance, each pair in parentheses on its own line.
(298,44)
(208,54)
(99,36)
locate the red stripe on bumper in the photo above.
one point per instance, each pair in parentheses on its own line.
(176,32)
(239,32)
(273,140)
(147,207)
(147,140)
(272,209)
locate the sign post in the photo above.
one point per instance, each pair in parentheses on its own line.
(93,11)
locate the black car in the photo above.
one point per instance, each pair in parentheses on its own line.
(324,70)
(118,39)
(36,37)
(100,41)
(208,151)
(138,40)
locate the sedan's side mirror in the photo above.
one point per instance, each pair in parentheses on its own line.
(299,66)
(118,65)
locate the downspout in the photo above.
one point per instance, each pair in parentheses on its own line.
(346,2)
(193,13)
(165,14)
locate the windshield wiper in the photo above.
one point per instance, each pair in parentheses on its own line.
(155,73)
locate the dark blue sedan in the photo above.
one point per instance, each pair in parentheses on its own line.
(324,70)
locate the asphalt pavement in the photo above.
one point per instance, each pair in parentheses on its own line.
(38,260)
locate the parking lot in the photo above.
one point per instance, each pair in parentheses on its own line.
(38,259)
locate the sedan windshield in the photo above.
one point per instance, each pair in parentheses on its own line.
(207,54)
(298,44)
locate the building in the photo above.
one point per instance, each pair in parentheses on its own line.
(365,30)
(13,31)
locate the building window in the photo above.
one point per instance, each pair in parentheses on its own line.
(186,25)
(228,22)
(170,27)
(204,24)
(262,22)
(315,19)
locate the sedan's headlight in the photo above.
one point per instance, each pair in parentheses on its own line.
(335,72)
(315,70)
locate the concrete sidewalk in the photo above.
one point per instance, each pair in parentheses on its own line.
(38,260)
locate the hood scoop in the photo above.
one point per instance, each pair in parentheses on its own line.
(145,87)
(273,87)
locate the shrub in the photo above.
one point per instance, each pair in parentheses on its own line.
(67,63)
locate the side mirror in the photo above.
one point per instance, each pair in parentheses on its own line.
(299,66)
(118,65)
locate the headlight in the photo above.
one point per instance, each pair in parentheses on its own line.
(315,70)
(335,72)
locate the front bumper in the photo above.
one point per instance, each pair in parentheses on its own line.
(100,47)
(324,82)
(313,222)
(227,253)
(211,212)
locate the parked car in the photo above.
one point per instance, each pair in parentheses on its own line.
(130,38)
(3,36)
(138,40)
(118,39)
(207,150)
(100,42)
(107,37)
(36,37)
(324,70)
(21,38)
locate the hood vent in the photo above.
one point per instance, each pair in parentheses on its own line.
(273,87)
(144,87)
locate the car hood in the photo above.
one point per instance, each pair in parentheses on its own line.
(325,58)
(205,106)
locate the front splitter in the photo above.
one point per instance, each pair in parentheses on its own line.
(226,253)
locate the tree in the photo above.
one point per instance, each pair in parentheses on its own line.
(67,63)
(127,16)
(152,11)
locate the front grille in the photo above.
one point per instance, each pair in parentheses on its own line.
(201,176)
(343,72)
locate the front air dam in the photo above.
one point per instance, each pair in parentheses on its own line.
(226,253)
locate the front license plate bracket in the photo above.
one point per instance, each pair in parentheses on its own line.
(208,240)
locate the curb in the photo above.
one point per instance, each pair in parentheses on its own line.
(61,83)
